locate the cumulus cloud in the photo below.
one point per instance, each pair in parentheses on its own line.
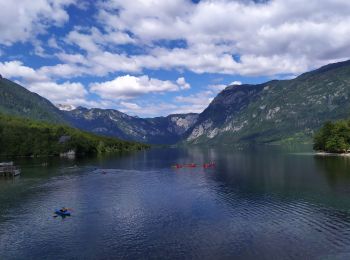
(92,39)
(59,93)
(37,81)
(22,20)
(182,83)
(126,87)
(16,69)
(284,36)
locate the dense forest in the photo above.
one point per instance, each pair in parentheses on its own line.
(333,137)
(25,137)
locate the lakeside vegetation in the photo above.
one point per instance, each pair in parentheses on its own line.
(333,137)
(26,137)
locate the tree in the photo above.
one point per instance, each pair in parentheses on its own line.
(333,137)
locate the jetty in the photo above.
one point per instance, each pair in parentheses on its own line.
(7,169)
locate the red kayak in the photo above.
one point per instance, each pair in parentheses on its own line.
(191,165)
(209,165)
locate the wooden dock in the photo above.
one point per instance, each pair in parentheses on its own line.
(7,169)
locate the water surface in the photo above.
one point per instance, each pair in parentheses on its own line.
(258,204)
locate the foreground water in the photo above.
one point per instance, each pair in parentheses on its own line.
(260,204)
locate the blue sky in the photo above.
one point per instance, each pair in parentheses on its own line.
(155,57)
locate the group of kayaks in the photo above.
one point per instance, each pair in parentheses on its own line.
(193,165)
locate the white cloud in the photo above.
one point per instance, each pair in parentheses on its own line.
(276,37)
(38,81)
(182,83)
(125,87)
(92,40)
(280,36)
(131,106)
(66,92)
(16,69)
(71,58)
(105,62)
(217,87)
(52,42)
(84,41)
(22,20)
(76,101)
(195,103)
(236,82)
(149,109)
(61,70)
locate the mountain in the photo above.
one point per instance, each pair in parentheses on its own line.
(272,112)
(278,110)
(17,100)
(109,122)
(26,137)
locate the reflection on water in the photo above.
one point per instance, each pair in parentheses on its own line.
(262,203)
(335,168)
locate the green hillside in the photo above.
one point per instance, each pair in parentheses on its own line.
(276,111)
(17,100)
(25,137)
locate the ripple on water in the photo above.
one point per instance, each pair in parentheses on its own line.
(166,213)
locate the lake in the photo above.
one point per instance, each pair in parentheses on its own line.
(263,203)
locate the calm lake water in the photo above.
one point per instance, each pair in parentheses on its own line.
(259,204)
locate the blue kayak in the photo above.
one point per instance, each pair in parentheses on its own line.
(62,213)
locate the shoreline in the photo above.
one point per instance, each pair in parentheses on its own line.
(332,154)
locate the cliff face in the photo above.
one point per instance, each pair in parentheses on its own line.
(159,130)
(276,110)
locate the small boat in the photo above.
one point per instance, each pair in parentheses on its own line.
(63,213)
(209,165)
(191,165)
(177,166)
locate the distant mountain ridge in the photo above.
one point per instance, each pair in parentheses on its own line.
(110,122)
(17,100)
(275,111)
